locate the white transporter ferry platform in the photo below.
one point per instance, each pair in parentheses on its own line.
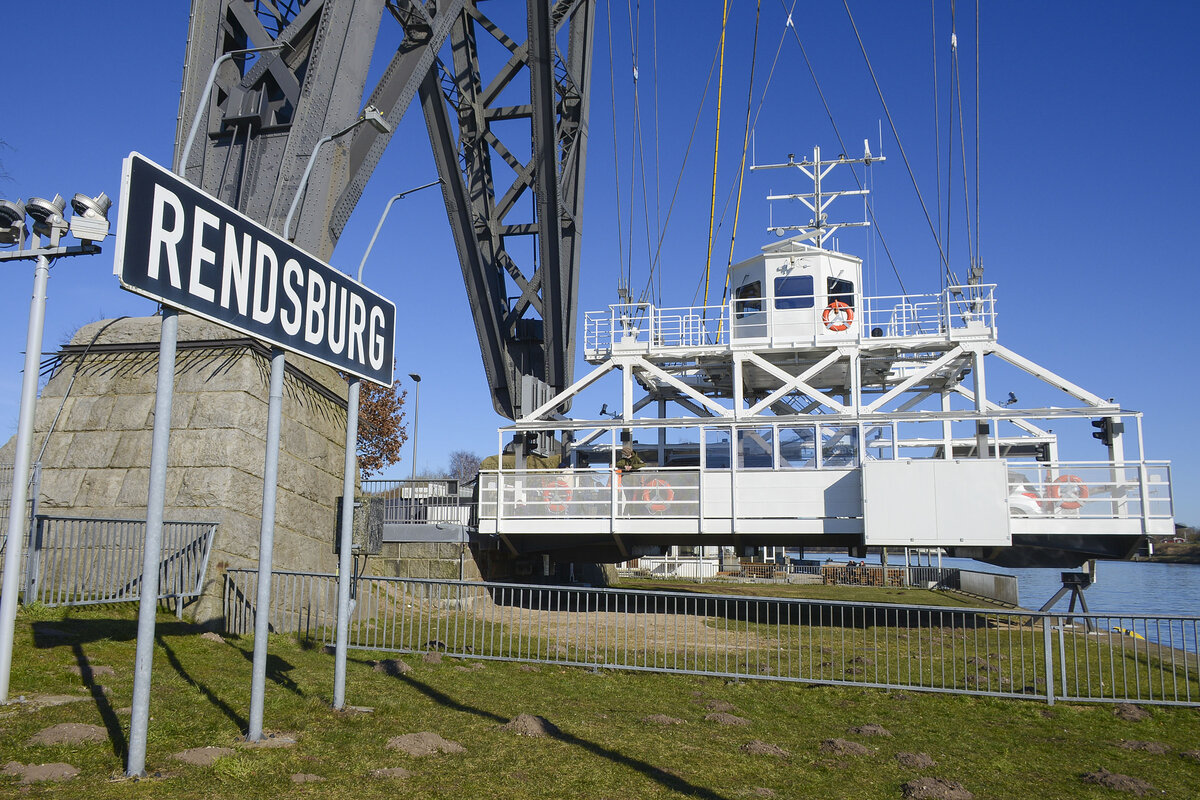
(802,413)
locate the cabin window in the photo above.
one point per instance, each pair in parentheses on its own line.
(794,291)
(717,448)
(756,448)
(839,446)
(748,298)
(797,447)
(840,290)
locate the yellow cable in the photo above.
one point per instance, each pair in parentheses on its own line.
(712,210)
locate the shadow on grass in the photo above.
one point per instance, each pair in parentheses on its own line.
(116,734)
(276,667)
(241,723)
(661,776)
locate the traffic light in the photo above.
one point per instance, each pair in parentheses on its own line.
(1106,427)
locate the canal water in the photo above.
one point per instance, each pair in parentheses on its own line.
(1135,591)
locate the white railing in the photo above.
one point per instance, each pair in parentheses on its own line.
(1090,490)
(642,326)
(587,493)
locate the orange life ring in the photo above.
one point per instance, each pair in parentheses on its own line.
(657,494)
(1070,489)
(557,494)
(837,316)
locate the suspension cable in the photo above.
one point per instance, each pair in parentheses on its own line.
(962,152)
(679,181)
(900,144)
(977,256)
(837,132)
(737,206)
(712,210)
(937,116)
(612,93)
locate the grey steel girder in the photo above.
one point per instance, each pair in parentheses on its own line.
(268,111)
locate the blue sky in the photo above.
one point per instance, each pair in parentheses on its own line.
(1086,194)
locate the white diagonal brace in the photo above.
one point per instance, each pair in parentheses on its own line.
(1051,378)
(794,383)
(682,387)
(913,379)
(572,390)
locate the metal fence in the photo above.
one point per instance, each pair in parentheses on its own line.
(1092,657)
(423,501)
(6,479)
(77,561)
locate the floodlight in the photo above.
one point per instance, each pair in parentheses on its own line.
(92,207)
(12,221)
(372,115)
(90,223)
(46,214)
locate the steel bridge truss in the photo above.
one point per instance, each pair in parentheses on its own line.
(270,109)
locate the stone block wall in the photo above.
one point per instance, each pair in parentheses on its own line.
(95,418)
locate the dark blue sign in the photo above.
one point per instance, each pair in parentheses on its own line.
(183,247)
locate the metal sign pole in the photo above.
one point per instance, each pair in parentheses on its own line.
(20,479)
(266,545)
(345,543)
(152,556)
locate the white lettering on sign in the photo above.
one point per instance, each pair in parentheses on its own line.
(191,251)
(161,236)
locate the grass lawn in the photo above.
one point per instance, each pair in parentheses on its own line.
(616,738)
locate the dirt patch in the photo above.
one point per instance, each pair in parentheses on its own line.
(528,668)
(759,791)
(841,747)
(202,756)
(915,760)
(1122,783)
(432,658)
(1194,755)
(1157,748)
(394,773)
(530,725)
(37,773)
(425,743)
(68,733)
(662,719)
(1130,713)
(305,777)
(88,671)
(935,789)
(870,729)
(271,741)
(210,636)
(720,706)
(43,700)
(721,718)
(760,748)
(390,666)
(477,665)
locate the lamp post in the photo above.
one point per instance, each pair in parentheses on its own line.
(342,635)
(416,421)
(89,225)
(258,673)
(181,167)
(370,115)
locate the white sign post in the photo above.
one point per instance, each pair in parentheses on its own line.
(189,251)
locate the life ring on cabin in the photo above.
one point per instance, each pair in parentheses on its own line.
(1070,490)
(657,495)
(557,494)
(837,316)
